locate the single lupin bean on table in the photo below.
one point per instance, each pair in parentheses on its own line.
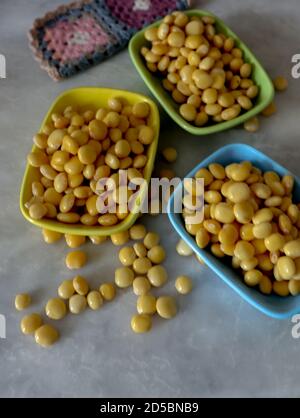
(30,323)
(56,308)
(141,285)
(80,285)
(183,285)
(124,277)
(127,256)
(146,304)
(66,289)
(76,260)
(22,301)
(108,291)
(280,83)
(157,275)
(166,307)
(141,323)
(77,304)
(74,241)
(141,265)
(94,300)
(169,154)
(46,335)
(183,249)
(50,237)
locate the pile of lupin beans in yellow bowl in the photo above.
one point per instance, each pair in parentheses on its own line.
(90,134)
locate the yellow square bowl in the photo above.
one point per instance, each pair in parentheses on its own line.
(92,98)
(259,76)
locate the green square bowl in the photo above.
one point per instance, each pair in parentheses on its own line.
(259,75)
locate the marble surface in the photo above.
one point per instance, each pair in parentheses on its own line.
(218,345)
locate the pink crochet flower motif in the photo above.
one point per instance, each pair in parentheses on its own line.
(71,40)
(138,13)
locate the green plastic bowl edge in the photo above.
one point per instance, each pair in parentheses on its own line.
(260,76)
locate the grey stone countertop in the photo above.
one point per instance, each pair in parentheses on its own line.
(218,345)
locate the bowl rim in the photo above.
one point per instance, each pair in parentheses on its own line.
(210,260)
(96,230)
(147,76)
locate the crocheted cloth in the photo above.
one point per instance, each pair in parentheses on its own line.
(74,37)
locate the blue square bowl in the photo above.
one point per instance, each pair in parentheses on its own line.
(272,305)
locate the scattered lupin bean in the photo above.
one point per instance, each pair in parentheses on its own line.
(56,309)
(141,323)
(151,239)
(80,285)
(66,289)
(77,304)
(141,285)
(74,241)
(137,232)
(269,110)
(156,254)
(169,154)
(76,260)
(46,335)
(124,277)
(30,323)
(157,276)
(167,173)
(97,240)
(137,264)
(141,265)
(50,237)
(22,301)
(127,256)
(183,285)
(94,300)
(120,238)
(183,249)
(146,304)
(108,291)
(280,83)
(166,307)
(252,125)
(140,249)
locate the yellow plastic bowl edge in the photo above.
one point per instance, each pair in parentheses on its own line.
(105,93)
